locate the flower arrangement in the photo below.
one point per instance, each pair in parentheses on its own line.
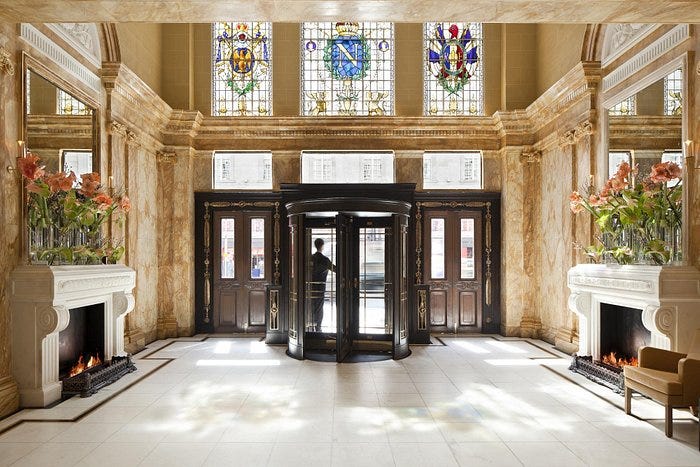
(637,221)
(65,216)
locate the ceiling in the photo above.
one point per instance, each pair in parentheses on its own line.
(496,11)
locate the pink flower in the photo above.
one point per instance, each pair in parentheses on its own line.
(595,200)
(60,181)
(89,183)
(125,203)
(29,167)
(103,201)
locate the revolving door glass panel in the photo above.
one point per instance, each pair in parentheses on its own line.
(374,312)
(320,281)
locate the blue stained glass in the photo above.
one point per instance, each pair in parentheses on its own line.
(347,68)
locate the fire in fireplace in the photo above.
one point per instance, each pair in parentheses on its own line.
(622,333)
(81,343)
(82,366)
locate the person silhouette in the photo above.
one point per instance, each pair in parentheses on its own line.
(320,265)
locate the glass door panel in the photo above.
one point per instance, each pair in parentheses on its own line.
(372,281)
(437,248)
(257,248)
(320,284)
(228,264)
(466,252)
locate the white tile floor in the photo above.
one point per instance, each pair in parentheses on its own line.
(235,401)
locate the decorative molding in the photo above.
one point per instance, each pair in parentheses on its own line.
(166,157)
(83,37)
(77,285)
(46,46)
(610,283)
(274,295)
(118,128)
(6,64)
(619,38)
(646,56)
(422,309)
(572,137)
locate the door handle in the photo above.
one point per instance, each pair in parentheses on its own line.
(356,283)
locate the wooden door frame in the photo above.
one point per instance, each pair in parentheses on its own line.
(489,203)
(206,204)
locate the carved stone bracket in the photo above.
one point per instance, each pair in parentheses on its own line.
(166,157)
(531,156)
(661,321)
(572,137)
(118,128)
(6,63)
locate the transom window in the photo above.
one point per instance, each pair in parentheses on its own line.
(242,68)
(625,107)
(242,170)
(69,105)
(453,78)
(347,167)
(347,68)
(452,170)
(673,93)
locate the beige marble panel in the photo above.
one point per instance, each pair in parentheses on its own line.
(517,11)
(554,241)
(10,243)
(512,245)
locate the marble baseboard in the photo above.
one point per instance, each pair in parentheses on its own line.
(9,396)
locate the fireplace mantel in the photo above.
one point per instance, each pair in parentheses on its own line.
(669,297)
(40,300)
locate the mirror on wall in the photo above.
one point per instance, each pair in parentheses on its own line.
(642,216)
(60,128)
(646,128)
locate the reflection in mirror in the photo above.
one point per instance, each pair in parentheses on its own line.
(59,127)
(644,130)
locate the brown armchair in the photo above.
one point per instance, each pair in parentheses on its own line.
(670,378)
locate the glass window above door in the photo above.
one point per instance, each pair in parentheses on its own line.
(452,170)
(347,167)
(242,170)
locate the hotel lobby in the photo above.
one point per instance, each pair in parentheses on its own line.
(300,233)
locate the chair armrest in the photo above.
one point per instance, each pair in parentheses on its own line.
(659,359)
(689,375)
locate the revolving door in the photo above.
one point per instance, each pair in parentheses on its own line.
(348,279)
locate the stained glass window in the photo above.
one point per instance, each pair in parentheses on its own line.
(454,77)
(242,170)
(673,93)
(452,170)
(69,105)
(626,107)
(347,68)
(242,68)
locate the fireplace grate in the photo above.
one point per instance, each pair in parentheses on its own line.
(599,373)
(92,380)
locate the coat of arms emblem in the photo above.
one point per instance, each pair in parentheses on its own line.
(452,57)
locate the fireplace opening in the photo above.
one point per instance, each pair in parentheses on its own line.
(81,344)
(622,333)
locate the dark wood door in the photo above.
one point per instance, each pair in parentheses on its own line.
(453,269)
(242,260)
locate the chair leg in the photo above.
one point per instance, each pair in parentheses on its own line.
(669,421)
(628,400)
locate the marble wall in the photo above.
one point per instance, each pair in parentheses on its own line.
(10,243)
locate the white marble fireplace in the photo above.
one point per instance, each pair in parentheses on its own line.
(668,298)
(41,298)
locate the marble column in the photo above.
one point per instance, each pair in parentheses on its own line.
(512,249)
(530,324)
(10,204)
